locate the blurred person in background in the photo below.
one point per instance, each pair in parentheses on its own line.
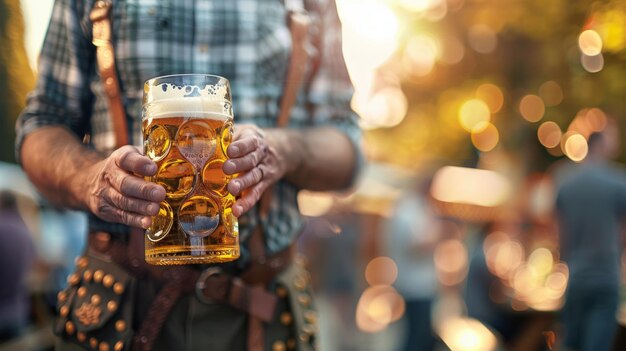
(412,233)
(590,209)
(17,254)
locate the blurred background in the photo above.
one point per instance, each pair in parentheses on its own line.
(473,113)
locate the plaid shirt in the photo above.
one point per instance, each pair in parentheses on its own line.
(246,41)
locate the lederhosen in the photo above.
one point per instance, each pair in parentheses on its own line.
(116,301)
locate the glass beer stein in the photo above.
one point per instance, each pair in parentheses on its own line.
(187,124)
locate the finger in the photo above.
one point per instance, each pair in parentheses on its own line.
(245,145)
(130,159)
(130,204)
(132,186)
(245,181)
(249,199)
(113,214)
(245,163)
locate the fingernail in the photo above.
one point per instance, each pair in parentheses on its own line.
(146,222)
(229,167)
(153,208)
(150,169)
(155,194)
(237,209)
(236,187)
(234,150)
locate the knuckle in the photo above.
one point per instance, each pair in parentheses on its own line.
(258,174)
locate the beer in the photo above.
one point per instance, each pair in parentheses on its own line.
(187,137)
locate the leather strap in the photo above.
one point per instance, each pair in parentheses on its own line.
(105,55)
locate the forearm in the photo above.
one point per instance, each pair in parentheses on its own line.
(319,159)
(53,158)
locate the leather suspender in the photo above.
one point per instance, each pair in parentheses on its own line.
(105,54)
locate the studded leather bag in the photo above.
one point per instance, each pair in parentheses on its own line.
(95,310)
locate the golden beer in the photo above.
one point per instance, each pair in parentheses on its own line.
(187,128)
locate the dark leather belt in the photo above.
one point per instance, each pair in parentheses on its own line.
(246,292)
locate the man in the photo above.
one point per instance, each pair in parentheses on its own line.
(591,206)
(244,41)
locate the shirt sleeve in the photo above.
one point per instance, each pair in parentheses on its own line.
(330,90)
(62,95)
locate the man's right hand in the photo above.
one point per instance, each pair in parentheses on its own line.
(115,191)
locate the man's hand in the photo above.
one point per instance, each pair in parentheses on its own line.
(116,193)
(260,163)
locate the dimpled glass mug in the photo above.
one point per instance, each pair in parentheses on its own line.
(187,124)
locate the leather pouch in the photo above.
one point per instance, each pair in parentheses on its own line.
(95,310)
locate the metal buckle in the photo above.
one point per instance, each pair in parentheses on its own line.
(201,283)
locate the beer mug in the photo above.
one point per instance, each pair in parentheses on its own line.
(187,124)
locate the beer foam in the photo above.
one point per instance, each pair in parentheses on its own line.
(196,106)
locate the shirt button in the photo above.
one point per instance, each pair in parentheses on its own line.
(152,11)
(203,48)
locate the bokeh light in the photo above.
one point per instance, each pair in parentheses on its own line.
(452,50)
(485,136)
(470,186)
(370,30)
(420,55)
(491,95)
(592,64)
(590,42)
(377,307)
(381,271)
(575,147)
(482,39)
(451,261)
(386,108)
(531,107)
(549,134)
(473,112)
(467,334)
(551,93)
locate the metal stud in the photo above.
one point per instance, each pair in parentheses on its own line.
(93,342)
(87,275)
(82,262)
(291,344)
(80,336)
(118,288)
(70,328)
(97,276)
(310,317)
(104,346)
(64,311)
(304,337)
(120,326)
(304,299)
(119,346)
(82,291)
(279,346)
(111,306)
(96,299)
(73,279)
(108,281)
(286,318)
(61,296)
(309,329)
(299,283)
